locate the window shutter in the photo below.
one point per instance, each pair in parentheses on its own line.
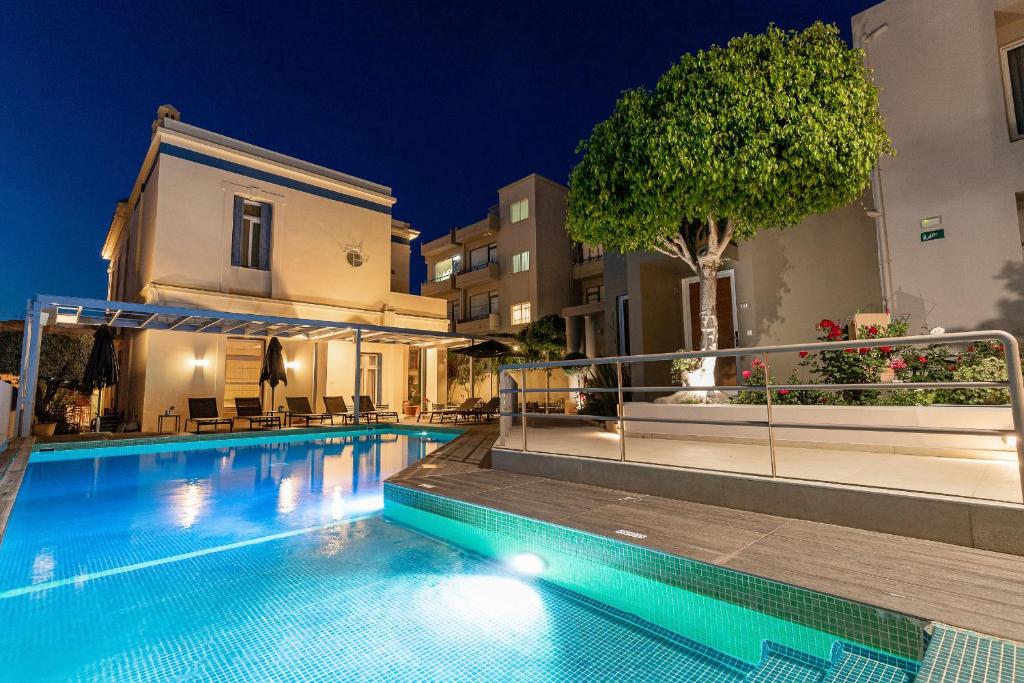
(1015,62)
(266,225)
(236,234)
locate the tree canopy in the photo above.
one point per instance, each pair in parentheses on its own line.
(758,134)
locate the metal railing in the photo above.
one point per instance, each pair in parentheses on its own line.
(1014,384)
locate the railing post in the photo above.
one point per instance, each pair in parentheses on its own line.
(621,410)
(768,399)
(1011,352)
(504,384)
(522,403)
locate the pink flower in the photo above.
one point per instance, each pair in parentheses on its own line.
(783,392)
(746,374)
(898,363)
(756,363)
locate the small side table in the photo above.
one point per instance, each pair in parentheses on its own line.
(285,417)
(164,416)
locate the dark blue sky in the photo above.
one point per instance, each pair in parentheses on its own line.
(444,102)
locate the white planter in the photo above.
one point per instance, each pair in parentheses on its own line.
(861,438)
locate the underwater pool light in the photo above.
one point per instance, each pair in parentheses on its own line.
(528,563)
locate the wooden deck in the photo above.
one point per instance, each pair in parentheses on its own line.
(973,589)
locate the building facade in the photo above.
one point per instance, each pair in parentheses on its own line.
(217,224)
(949,203)
(508,269)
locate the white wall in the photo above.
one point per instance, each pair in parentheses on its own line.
(938,66)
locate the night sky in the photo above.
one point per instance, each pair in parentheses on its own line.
(444,102)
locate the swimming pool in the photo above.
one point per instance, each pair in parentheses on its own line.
(269,559)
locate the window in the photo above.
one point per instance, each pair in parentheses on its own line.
(369,375)
(521,262)
(520,210)
(483,304)
(481,256)
(1013,83)
(589,253)
(243,359)
(521,313)
(444,269)
(250,237)
(593,294)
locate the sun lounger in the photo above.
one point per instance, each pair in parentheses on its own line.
(251,410)
(298,407)
(203,411)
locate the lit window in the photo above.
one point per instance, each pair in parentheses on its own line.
(1013,81)
(444,269)
(520,262)
(520,210)
(250,236)
(243,359)
(521,313)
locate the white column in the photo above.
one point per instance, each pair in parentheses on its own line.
(29,367)
(357,384)
(590,336)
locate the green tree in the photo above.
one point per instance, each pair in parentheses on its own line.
(755,135)
(62,359)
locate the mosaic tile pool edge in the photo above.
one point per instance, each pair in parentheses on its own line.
(878,629)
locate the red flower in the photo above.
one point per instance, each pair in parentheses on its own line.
(827,325)
(970,349)
(862,350)
(999,347)
(756,363)
(849,350)
(746,374)
(783,392)
(872,330)
(885,349)
(951,368)
(835,333)
(922,359)
(803,354)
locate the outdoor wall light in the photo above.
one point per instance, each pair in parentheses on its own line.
(291,364)
(1010,440)
(199,362)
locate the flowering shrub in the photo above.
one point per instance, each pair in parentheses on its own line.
(858,364)
(682,366)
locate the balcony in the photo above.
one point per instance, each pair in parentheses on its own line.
(588,268)
(444,245)
(488,227)
(439,286)
(485,273)
(481,324)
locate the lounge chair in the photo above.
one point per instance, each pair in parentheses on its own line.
(203,411)
(366,407)
(484,411)
(251,409)
(337,407)
(465,406)
(298,407)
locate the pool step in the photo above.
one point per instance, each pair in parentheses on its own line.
(780,664)
(852,667)
(848,664)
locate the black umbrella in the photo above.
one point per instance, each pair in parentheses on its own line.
(273,370)
(488,348)
(101,370)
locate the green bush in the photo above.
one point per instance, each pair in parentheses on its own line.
(981,368)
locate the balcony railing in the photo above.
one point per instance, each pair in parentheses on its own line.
(580,260)
(479,266)
(439,278)
(820,469)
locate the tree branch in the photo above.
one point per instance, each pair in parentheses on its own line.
(728,229)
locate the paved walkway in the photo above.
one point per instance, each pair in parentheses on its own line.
(973,478)
(965,587)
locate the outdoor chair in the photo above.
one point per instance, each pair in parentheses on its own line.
(485,411)
(442,413)
(337,407)
(366,406)
(203,411)
(298,407)
(251,409)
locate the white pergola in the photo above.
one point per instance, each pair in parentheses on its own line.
(45,309)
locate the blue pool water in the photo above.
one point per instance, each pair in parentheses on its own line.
(270,561)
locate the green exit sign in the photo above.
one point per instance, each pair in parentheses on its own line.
(929,235)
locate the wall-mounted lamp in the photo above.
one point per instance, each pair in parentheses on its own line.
(291,364)
(199,362)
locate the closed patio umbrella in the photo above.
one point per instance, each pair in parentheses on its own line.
(101,370)
(488,348)
(273,370)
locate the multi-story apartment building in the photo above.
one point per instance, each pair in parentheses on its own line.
(217,224)
(509,268)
